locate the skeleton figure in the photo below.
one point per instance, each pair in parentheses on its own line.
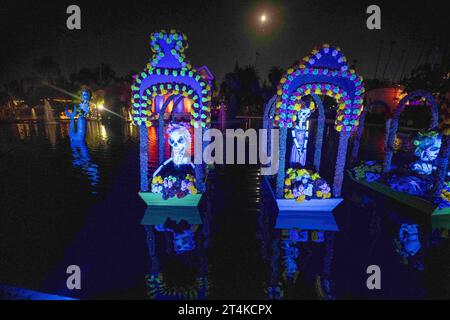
(300,138)
(180,141)
(428,144)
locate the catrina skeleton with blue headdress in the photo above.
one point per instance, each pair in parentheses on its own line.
(180,144)
(428,144)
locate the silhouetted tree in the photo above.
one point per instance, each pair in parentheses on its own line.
(275,74)
(242,90)
(48,70)
(433,78)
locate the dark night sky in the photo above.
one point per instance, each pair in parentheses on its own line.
(219,32)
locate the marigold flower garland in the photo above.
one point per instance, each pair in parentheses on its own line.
(303,184)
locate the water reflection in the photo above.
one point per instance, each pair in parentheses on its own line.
(299,249)
(188,253)
(83,162)
(176,239)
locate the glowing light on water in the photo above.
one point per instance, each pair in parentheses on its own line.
(103,132)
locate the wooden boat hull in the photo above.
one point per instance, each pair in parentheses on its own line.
(314,214)
(156,199)
(415,202)
(156,215)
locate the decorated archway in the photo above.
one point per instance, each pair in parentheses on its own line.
(169,72)
(169,80)
(269,113)
(423,183)
(416,97)
(388,99)
(323,73)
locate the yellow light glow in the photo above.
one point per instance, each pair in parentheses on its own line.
(100,107)
(263,18)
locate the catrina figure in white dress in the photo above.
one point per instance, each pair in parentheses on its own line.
(180,161)
(300,139)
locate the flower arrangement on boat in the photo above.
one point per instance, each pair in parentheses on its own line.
(416,177)
(444,200)
(304,184)
(367,170)
(174,186)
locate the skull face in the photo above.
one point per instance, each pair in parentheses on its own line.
(177,142)
(180,141)
(304,114)
(428,144)
(432,152)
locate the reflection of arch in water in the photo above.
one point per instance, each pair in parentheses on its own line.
(286,259)
(277,229)
(424,96)
(82,160)
(158,289)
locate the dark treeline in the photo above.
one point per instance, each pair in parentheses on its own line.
(243,90)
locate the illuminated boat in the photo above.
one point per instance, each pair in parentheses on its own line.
(422,185)
(300,92)
(168,87)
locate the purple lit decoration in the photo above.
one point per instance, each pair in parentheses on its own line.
(143,157)
(323,73)
(320,130)
(424,97)
(395,118)
(169,74)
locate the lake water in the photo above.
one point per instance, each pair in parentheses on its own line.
(64,204)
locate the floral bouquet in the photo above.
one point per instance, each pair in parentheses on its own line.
(444,200)
(172,186)
(368,170)
(303,184)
